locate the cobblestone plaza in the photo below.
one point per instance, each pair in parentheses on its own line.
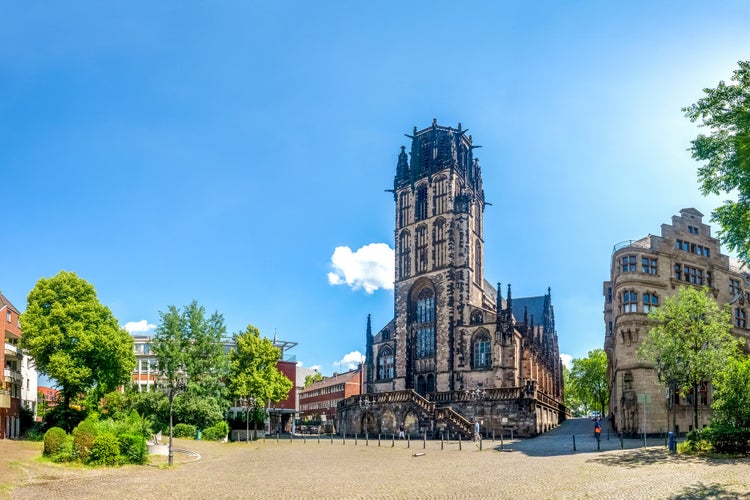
(544,467)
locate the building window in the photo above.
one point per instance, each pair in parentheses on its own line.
(420,207)
(628,263)
(692,230)
(478,263)
(440,196)
(439,243)
(425,321)
(481,356)
(648,265)
(693,275)
(477,318)
(650,301)
(421,244)
(740,318)
(386,366)
(8,316)
(403,210)
(404,260)
(629,302)
(734,287)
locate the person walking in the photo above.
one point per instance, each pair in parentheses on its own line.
(597,429)
(401,432)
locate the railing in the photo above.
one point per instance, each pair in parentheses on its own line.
(455,418)
(408,395)
(498,394)
(13,375)
(12,349)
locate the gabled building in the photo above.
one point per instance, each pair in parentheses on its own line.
(456,351)
(643,273)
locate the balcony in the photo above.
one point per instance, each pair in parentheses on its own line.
(12,351)
(13,375)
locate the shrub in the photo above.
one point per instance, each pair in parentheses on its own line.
(216,432)
(728,439)
(105,450)
(133,448)
(53,440)
(183,431)
(83,437)
(65,453)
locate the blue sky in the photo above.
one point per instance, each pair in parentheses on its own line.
(222,151)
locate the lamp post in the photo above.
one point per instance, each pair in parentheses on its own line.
(365,403)
(477,394)
(246,402)
(176,385)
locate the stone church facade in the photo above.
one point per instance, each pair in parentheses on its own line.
(643,273)
(456,351)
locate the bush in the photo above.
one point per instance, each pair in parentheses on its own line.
(728,439)
(105,450)
(83,437)
(216,432)
(183,431)
(53,440)
(65,453)
(133,448)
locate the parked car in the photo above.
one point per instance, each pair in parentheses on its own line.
(594,415)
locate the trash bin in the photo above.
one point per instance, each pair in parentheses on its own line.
(198,435)
(672,443)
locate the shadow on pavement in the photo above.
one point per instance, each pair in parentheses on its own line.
(701,491)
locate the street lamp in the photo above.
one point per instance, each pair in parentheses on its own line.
(365,403)
(247,401)
(477,394)
(177,385)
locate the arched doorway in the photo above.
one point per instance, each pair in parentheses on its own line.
(369,423)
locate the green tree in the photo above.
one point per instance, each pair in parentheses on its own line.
(725,112)
(589,380)
(253,375)
(206,364)
(732,394)
(74,339)
(690,341)
(311,379)
(572,401)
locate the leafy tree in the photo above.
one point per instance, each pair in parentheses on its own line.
(311,379)
(572,401)
(732,394)
(206,364)
(725,111)
(253,375)
(690,340)
(589,380)
(74,339)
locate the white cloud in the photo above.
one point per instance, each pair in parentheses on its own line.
(371,267)
(567,360)
(350,361)
(139,326)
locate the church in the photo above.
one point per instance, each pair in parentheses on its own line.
(457,353)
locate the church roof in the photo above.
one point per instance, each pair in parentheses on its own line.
(533,306)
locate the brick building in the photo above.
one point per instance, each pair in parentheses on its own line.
(11,378)
(456,351)
(643,273)
(317,403)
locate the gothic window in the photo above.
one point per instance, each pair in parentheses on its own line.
(478,263)
(425,154)
(629,302)
(439,243)
(440,196)
(740,318)
(650,301)
(477,318)
(628,264)
(424,319)
(404,261)
(648,265)
(420,206)
(734,287)
(386,335)
(478,219)
(421,247)
(480,351)
(386,366)
(403,209)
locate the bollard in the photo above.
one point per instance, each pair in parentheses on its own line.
(355,439)
(393,440)
(459,442)
(598,440)
(290,437)
(511,434)
(493,435)
(367,439)
(424,441)
(574,442)
(378,440)
(277,436)
(442,443)
(332,438)
(607,434)
(408,440)
(344,440)
(501,441)
(622,445)
(480,443)
(304,438)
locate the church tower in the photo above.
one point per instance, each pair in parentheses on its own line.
(439,254)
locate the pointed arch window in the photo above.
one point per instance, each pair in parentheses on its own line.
(421,244)
(403,209)
(440,196)
(386,365)
(439,243)
(420,205)
(478,263)
(424,319)
(480,351)
(404,255)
